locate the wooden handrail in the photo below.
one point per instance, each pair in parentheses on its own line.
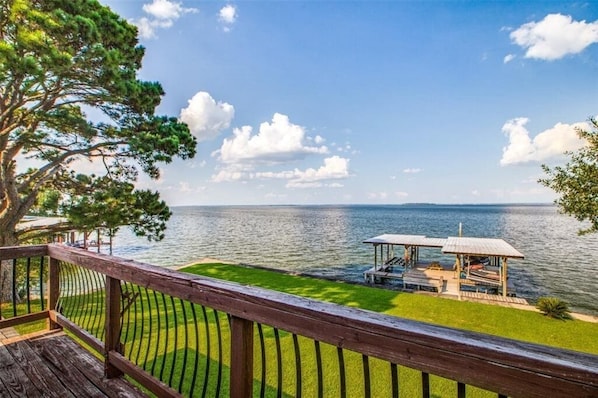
(508,367)
(10,252)
(498,364)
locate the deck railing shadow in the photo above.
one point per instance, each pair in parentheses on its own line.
(181,334)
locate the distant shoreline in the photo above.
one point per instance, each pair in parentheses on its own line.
(413,204)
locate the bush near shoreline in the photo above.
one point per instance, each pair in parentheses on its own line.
(506,322)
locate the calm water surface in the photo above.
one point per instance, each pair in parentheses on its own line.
(327,240)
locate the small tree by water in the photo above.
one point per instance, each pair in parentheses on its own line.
(554,308)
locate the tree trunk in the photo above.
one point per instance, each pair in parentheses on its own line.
(7,238)
(6,281)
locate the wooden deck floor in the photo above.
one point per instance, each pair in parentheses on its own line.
(51,364)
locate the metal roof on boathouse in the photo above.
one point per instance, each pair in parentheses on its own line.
(451,245)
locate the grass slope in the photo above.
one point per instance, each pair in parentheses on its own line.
(485,318)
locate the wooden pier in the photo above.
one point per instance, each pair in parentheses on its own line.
(494,298)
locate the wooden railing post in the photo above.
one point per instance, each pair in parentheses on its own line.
(241,363)
(112,342)
(53,289)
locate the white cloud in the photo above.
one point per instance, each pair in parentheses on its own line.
(412,171)
(318,140)
(145,28)
(548,144)
(401,194)
(555,36)
(274,175)
(475,192)
(508,58)
(163,14)
(334,168)
(228,175)
(228,14)
(277,142)
(205,117)
(166,10)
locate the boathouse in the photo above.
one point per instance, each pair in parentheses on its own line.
(479,263)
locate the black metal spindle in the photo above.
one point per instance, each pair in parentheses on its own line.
(425,385)
(297,366)
(137,315)
(185,346)
(219,336)
(319,369)
(28,284)
(151,332)
(176,333)
(460,390)
(166,326)
(14,287)
(278,364)
(394,377)
(102,310)
(41,282)
(1,287)
(208,352)
(64,288)
(89,301)
(341,371)
(366,376)
(78,294)
(126,325)
(159,331)
(99,307)
(263,359)
(197,351)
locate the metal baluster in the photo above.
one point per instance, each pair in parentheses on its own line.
(366,376)
(208,355)
(341,371)
(263,358)
(278,364)
(297,366)
(319,369)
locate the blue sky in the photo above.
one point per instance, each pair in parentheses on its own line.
(369,102)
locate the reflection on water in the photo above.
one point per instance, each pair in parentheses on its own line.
(327,240)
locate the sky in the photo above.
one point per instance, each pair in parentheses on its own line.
(355,102)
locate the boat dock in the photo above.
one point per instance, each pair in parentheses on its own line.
(470,269)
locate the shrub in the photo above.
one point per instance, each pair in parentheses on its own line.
(553,307)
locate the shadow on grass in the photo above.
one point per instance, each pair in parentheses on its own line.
(370,298)
(200,376)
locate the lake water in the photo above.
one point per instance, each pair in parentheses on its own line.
(327,240)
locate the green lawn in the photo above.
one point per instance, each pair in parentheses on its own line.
(485,318)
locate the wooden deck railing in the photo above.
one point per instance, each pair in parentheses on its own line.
(181,334)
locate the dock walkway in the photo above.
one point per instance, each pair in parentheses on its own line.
(493,297)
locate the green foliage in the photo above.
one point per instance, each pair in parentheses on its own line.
(553,307)
(577,181)
(58,60)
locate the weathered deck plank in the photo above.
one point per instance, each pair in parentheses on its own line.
(51,364)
